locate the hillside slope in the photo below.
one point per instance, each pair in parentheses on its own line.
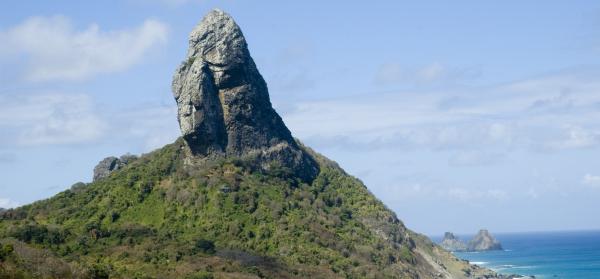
(157,218)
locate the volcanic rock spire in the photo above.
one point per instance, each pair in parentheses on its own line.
(223,101)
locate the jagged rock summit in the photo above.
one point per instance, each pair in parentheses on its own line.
(452,243)
(223,102)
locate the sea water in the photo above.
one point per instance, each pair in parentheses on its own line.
(543,254)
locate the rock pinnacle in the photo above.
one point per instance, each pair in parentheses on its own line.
(223,101)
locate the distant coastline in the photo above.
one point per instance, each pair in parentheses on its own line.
(554,254)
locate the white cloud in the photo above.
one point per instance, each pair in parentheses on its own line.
(468,195)
(55,50)
(390,73)
(592,181)
(154,126)
(439,191)
(542,114)
(577,137)
(460,194)
(474,158)
(431,72)
(7,203)
(51,118)
(39,119)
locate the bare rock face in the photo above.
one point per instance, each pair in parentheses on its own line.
(484,241)
(111,164)
(105,167)
(452,243)
(223,102)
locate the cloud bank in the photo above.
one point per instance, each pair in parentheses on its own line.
(552,112)
(49,118)
(55,50)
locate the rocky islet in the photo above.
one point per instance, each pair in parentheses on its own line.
(482,241)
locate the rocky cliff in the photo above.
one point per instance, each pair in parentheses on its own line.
(223,102)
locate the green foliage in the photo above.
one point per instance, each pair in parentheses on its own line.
(201,275)
(158,218)
(205,246)
(39,234)
(406,255)
(77,187)
(5,251)
(99,272)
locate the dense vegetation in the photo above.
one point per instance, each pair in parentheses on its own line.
(159,218)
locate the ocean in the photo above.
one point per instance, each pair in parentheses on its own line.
(542,254)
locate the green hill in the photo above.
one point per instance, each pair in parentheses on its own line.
(235,197)
(155,218)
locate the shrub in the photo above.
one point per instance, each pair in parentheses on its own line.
(35,233)
(132,230)
(5,250)
(205,246)
(201,275)
(78,187)
(99,272)
(406,255)
(114,216)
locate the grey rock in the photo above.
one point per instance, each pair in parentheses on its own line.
(78,187)
(106,167)
(452,243)
(127,158)
(111,164)
(223,102)
(484,241)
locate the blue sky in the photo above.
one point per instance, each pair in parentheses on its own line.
(458,115)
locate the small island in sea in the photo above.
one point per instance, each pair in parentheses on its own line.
(482,241)
(563,254)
